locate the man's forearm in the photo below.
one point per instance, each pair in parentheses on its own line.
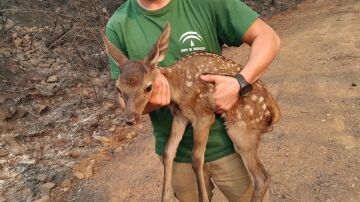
(264,48)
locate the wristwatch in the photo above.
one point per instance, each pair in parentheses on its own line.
(245,87)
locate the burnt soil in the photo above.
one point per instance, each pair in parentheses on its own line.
(63,137)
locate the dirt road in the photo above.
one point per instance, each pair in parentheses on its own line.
(314,153)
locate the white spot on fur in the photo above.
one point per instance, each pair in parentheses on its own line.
(251,111)
(267,113)
(238,115)
(261,99)
(243,123)
(264,106)
(257,120)
(254,97)
(189,83)
(247,107)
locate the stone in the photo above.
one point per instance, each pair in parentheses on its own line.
(39,108)
(79,175)
(47,90)
(74,154)
(6,113)
(47,187)
(104,140)
(26,195)
(45,198)
(354,84)
(42,177)
(66,183)
(14,35)
(44,65)
(34,62)
(13,146)
(52,79)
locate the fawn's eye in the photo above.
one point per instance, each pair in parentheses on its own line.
(118,90)
(148,88)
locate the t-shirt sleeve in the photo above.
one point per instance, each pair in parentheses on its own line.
(113,37)
(232,18)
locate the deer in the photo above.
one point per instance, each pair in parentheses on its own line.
(192,103)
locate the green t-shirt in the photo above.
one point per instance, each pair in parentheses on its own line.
(197,25)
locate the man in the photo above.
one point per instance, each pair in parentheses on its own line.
(201,25)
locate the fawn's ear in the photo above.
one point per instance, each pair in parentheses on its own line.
(113,51)
(158,51)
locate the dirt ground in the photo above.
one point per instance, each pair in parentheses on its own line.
(64,139)
(314,153)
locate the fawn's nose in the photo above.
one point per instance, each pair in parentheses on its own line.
(131,119)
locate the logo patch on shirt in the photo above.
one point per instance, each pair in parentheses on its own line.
(191,41)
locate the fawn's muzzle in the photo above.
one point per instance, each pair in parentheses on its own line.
(132,119)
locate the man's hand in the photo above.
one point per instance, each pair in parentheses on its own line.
(226,91)
(160,95)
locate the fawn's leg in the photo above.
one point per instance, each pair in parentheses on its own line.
(177,130)
(201,133)
(246,142)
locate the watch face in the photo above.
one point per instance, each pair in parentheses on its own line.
(245,90)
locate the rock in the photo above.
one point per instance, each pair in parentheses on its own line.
(112,129)
(353,84)
(44,65)
(13,146)
(52,79)
(21,112)
(34,62)
(74,154)
(45,198)
(20,56)
(7,113)
(89,170)
(14,35)
(43,178)
(104,140)
(66,183)
(47,187)
(27,195)
(79,175)
(47,90)
(39,108)
(304,111)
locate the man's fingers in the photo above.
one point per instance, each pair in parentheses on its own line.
(209,78)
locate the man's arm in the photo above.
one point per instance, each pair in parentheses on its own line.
(265,44)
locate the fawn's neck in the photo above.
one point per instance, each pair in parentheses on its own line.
(173,80)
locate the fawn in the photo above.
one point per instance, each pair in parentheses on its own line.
(192,102)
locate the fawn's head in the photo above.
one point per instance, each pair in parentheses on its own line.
(135,83)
